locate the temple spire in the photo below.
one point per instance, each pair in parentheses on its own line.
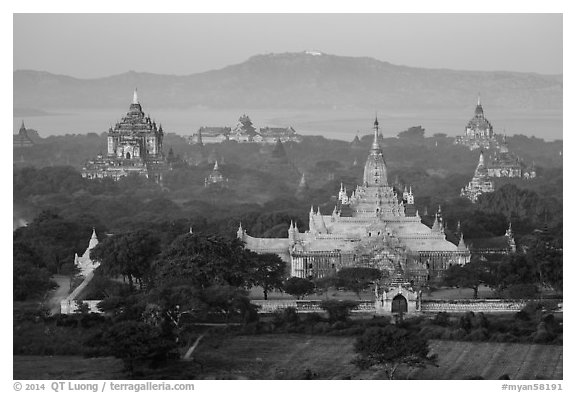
(135,97)
(481,159)
(216,165)
(375,144)
(479,99)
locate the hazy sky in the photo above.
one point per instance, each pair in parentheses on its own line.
(93,45)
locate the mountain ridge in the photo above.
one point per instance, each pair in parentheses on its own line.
(295,81)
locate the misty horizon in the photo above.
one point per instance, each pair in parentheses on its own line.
(109,44)
(307,51)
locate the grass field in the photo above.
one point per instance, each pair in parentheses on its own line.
(293,356)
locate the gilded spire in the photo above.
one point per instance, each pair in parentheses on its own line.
(479,99)
(216,165)
(135,97)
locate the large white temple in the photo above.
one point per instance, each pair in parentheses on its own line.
(369,228)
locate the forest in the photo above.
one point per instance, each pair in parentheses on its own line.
(172,243)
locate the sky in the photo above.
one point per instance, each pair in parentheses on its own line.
(96,45)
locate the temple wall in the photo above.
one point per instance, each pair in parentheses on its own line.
(70,306)
(426,306)
(474,305)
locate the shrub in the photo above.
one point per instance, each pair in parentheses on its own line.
(338,310)
(442,319)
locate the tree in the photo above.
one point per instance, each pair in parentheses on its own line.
(29,280)
(129,255)
(545,254)
(267,271)
(135,343)
(338,310)
(390,347)
(416,132)
(357,279)
(470,275)
(54,240)
(298,287)
(203,261)
(229,301)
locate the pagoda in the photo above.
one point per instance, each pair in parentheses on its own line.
(479,132)
(134,147)
(215,177)
(368,227)
(480,182)
(22,140)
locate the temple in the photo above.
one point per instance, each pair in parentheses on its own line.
(134,146)
(215,178)
(22,140)
(504,163)
(480,182)
(479,132)
(368,228)
(244,132)
(84,263)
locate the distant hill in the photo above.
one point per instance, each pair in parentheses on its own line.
(296,81)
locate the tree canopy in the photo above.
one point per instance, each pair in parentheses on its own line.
(390,347)
(130,255)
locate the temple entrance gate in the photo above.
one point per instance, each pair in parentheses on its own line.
(399,304)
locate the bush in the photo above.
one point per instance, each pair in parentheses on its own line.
(522,291)
(321,327)
(338,310)
(433,332)
(442,319)
(286,316)
(479,334)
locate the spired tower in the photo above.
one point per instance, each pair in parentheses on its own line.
(480,182)
(375,173)
(368,228)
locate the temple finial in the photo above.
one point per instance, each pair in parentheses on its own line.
(135,97)
(375,144)
(479,99)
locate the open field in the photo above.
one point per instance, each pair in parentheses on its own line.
(290,356)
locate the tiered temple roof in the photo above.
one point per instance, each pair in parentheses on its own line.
(134,146)
(370,221)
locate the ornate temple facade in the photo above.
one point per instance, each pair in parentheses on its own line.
(368,228)
(244,132)
(480,182)
(134,146)
(479,133)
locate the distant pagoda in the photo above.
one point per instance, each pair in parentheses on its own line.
(480,182)
(22,140)
(134,147)
(479,133)
(215,178)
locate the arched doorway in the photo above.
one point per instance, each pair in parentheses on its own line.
(399,304)
(127,156)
